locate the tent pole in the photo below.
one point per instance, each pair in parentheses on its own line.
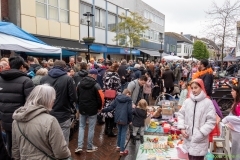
(61,56)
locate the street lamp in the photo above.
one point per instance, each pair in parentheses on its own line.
(161,50)
(88,40)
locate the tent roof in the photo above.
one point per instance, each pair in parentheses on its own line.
(14,38)
(229,58)
(11,29)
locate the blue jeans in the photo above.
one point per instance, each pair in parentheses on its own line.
(91,127)
(122,132)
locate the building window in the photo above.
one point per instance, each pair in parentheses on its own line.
(97,17)
(85,8)
(111,21)
(172,48)
(53,9)
(153,18)
(167,48)
(102,19)
(179,48)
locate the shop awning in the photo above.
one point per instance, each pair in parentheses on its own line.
(153,53)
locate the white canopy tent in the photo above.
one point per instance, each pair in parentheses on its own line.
(8,42)
(172,58)
(192,59)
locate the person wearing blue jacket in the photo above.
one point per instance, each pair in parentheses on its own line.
(123,117)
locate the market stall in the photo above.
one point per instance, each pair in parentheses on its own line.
(14,38)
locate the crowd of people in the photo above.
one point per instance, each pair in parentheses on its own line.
(39,101)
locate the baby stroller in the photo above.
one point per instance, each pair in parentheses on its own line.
(162,97)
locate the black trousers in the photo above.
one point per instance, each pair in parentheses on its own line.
(195,157)
(169,91)
(9,142)
(3,152)
(109,123)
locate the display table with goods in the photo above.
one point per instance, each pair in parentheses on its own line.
(161,148)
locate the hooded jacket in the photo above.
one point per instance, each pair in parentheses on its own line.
(139,117)
(123,109)
(101,72)
(137,73)
(42,130)
(65,93)
(198,117)
(15,87)
(79,76)
(90,96)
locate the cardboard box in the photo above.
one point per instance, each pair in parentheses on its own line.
(167,111)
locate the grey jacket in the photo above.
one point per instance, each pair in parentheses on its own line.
(134,88)
(199,125)
(42,130)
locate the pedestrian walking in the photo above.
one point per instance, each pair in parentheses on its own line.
(90,101)
(65,88)
(169,79)
(147,88)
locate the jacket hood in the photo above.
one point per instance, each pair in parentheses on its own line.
(140,112)
(199,97)
(83,73)
(123,98)
(25,114)
(87,82)
(56,72)
(12,74)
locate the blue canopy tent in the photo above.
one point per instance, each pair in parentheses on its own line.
(229,58)
(14,38)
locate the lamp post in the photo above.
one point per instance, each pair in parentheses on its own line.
(161,50)
(88,41)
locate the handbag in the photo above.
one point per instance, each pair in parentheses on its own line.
(52,158)
(110,93)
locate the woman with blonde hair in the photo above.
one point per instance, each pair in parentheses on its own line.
(40,73)
(35,133)
(140,114)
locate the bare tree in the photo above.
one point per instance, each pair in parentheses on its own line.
(222,22)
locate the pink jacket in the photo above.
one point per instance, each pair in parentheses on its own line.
(147,89)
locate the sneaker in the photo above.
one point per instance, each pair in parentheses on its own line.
(78,150)
(94,148)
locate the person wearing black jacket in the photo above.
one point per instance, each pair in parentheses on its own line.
(15,87)
(65,88)
(78,76)
(90,101)
(140,114)
(122,72)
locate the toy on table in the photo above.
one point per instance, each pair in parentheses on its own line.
(169,137)
(174,137)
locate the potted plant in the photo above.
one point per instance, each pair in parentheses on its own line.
(88,40)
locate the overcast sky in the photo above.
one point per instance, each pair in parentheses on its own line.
(187,16)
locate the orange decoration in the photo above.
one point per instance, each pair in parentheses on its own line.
(200,73)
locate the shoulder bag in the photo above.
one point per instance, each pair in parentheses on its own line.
(110,93)
(52,158)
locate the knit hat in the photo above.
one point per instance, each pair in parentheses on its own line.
(93,71)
